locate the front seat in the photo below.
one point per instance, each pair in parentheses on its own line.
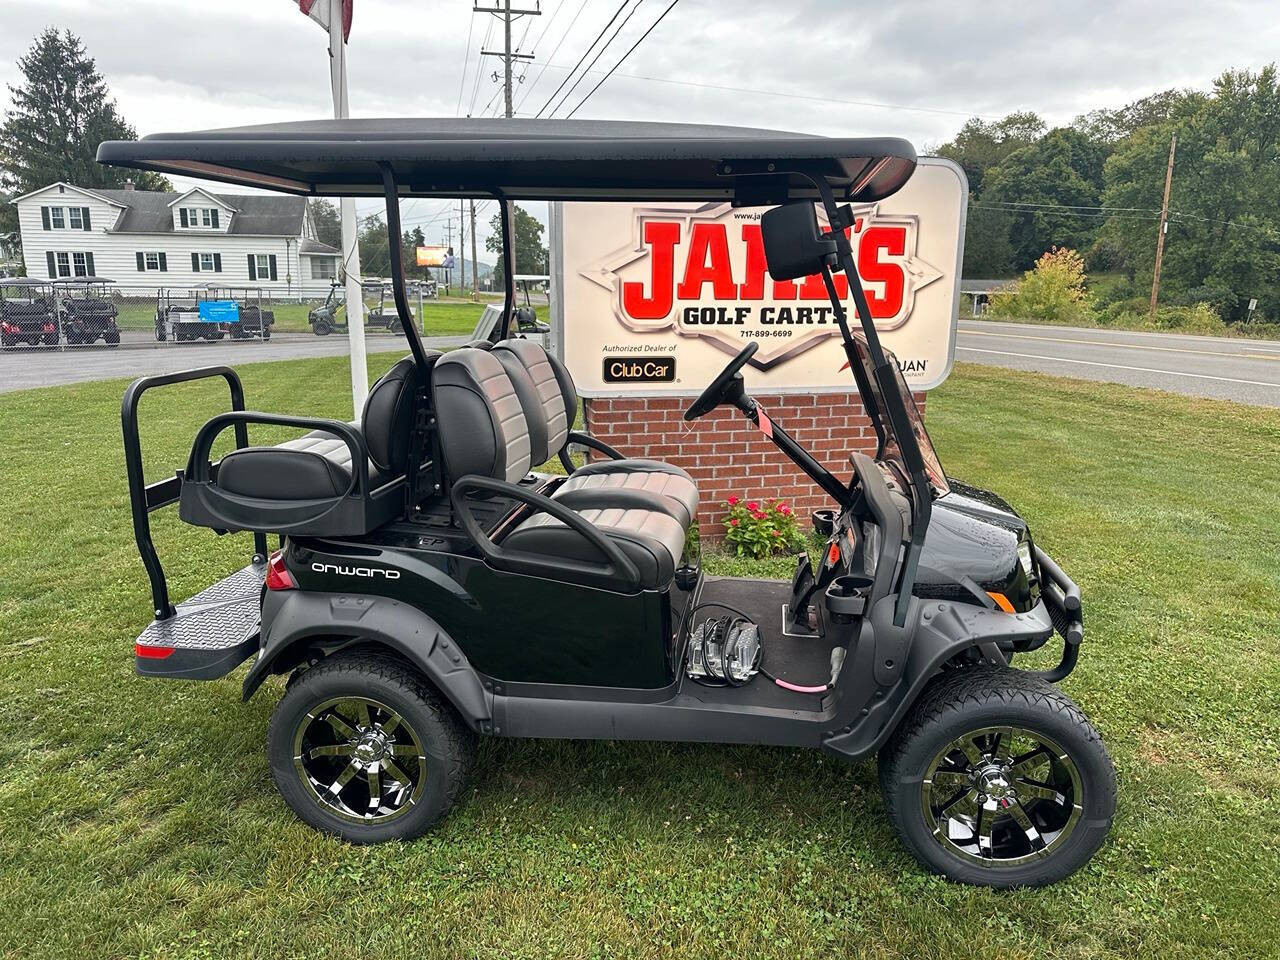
(550,402)
(483,431)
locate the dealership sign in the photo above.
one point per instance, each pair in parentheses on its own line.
(655,298)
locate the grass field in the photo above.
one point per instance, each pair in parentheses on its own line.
(139,817)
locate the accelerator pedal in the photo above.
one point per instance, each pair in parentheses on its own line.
(210,635)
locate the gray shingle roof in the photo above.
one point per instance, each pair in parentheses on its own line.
(149,211)
(316,247)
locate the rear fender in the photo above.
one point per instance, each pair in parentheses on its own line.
(943,630)
(294,617)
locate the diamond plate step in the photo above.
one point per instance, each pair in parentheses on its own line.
(211,633)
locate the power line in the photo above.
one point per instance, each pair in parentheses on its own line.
(599,53)
(624,57)
(563,37)
(466,58)
(585,53)
(475,88)
(1069,206)
(1068,212)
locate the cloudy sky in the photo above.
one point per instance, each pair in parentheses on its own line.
(913,69)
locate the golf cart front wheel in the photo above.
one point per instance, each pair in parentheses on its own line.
(362,747)
(997,779)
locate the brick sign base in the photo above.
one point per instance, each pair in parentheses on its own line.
(726,455)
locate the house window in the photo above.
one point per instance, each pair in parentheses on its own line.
(64,263)
(153,261)
(263,263)
(79,263)
(206,216)
(73,214)
(322,268)
(206,261)
(56,217)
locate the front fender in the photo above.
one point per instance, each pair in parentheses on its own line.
(943,629)
(291,617)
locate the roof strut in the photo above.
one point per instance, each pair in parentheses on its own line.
(395,246)
(508,265)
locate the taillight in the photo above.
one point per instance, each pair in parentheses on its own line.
(278,575)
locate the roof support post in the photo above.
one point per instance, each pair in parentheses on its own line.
(508,264)
(395,247)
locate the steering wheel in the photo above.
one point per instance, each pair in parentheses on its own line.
(719,389)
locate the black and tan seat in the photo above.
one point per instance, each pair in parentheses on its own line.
(550,402)
(484,433)
(309,484)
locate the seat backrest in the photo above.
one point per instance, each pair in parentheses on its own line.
(547,394)
(387,421)
(482,424)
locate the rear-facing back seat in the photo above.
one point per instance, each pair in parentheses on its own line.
(550,403)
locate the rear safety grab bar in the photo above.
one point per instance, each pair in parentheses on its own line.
(1061,593)
(620,573)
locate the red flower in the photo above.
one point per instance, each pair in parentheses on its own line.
(776,533)
(760,515)
(733,523)
(732,501)
(783,509)
(752,505)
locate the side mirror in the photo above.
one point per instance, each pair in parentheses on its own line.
(793,245)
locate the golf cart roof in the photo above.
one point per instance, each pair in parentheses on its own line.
(24,282)
(525,159)
(531,277)
(80,281)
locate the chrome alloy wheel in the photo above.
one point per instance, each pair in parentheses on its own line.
(1002,796)
(360,759)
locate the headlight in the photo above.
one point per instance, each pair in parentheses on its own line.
(1024,556)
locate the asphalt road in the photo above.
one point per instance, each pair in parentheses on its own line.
(1245,371)
(42,367)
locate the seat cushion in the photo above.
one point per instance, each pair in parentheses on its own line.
(675,486)
(312,467)
(652,540)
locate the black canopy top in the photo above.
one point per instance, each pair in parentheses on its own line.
(525,159)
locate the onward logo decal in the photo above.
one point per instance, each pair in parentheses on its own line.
(701,273)
(345,571)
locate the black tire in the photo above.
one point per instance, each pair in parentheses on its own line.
(396,327)
(958,704)
(322,328)
(448,744)
(111,338)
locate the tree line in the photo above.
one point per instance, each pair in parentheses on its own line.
(1096,186)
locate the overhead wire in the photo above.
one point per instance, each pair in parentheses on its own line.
(585,53)
(594,60)
(630,50)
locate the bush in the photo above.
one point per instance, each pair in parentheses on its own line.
(1053,291)
(1135,314)
(754,529)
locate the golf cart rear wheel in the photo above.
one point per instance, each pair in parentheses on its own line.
(362,747)
(997,779)
(322,328)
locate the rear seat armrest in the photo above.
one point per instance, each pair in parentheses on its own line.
(199,470)
(584,440)
(618,573)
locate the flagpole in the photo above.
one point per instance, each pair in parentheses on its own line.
(350,247)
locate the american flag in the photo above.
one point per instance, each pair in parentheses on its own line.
(318,10)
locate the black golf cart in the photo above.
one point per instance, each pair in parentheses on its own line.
(429,588)
(87,310)
(178,316)
(324,318)
(28,313)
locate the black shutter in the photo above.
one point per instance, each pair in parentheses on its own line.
(273,266)
(142,262)
(195,263)
(182,212)
(164,264)
(88,262)
(53,267)
(253,268)
(44,217)
(84,217)
(217,263)
(214,215)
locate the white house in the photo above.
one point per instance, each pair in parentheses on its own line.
(146,239)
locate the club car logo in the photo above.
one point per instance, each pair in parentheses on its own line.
(345,571)
(639,369)
(702,273)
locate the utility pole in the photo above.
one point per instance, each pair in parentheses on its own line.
(1164,228)
(475,268)
(462,247)
(448,242)
(503,10)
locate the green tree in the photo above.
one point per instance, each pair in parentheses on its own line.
(1223,243)
(1046,187)
(531,255)
(57,116)
(328,222)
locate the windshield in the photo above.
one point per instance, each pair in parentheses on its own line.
(891,450)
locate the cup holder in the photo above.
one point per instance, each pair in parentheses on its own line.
(847,595)
(824,522)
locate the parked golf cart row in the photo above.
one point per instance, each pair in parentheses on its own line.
(72,310)
(325,319)
(213,312)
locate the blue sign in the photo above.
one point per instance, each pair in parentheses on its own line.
(219,311)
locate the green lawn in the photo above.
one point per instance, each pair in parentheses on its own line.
(139,817)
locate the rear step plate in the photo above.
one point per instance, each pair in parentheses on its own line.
(210,635)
